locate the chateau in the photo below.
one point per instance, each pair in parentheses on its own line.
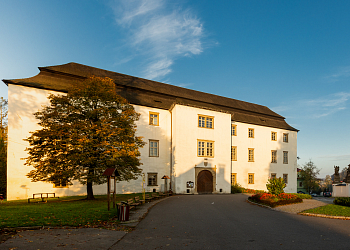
(203,142)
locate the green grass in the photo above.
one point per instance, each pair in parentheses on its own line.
(331,209)
(67,211)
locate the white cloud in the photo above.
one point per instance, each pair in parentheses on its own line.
(316,108)
(341,73)
(159,34)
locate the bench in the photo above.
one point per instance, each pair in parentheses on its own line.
(155,195)
(148,198)
(137,199)
(43,196)
(163,194)
(130,202)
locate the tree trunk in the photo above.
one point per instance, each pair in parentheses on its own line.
(90,193)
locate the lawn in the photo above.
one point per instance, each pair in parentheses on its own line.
(331,209)
(68,211)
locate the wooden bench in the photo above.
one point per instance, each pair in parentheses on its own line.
(161,194)
(155,196)
(43,196)
(130,202)
(148,198)
(137,199)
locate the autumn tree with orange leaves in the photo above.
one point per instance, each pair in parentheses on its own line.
(84,132)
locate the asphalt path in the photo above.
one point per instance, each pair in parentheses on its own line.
(229,222)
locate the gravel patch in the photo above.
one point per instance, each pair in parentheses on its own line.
(299,207)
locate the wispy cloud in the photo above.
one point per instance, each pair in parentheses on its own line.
(341,73)
(159,33)
(316,108)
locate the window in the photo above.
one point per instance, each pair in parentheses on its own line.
(234,153)
(233,179)
(273,175)
(153,118)
(205,121)
(273,136)
(285,157)
(300,184)
(205,148)
(152,179)
(285,137)
(273,156)
(153,148)
(250,154)
(250,132)
(60,183)
(250,178)
(233,129)
(285,178)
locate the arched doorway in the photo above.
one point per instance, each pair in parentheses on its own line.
(205,182)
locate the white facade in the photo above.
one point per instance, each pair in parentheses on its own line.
(175,139)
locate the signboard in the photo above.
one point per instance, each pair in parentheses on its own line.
(190,184)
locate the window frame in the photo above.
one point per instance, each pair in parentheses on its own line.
(205,148)
(251,133)
(273,175)
(151,120)
(285,137)
(206,117)
(250,180)
(234,130)
(149,151)
(285,178)
(233,153)
(273,136)
(285,157)
(273,156)
(155,179)
(249,155)
(234,176)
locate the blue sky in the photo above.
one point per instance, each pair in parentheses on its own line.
(292,56)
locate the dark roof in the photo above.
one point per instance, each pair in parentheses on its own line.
(153,94)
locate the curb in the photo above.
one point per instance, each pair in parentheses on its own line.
(325,216)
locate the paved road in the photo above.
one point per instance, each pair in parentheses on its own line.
(228,222)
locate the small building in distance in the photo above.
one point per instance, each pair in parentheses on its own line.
(203,142)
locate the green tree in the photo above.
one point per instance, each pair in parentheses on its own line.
(3,145)
(309,175)
(327,183)
(83,133)
(275,186)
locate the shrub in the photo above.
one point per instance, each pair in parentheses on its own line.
(236,188)
(343,201)
(275,185)
(303,196)
(275,200)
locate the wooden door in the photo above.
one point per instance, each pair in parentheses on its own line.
(205,182)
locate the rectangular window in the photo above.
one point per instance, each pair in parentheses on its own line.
(152,179)
(300,184)
(205,148)
(285,157)
(153,118)
(273,175)
(60,183)
(233,129)
(250,132)
(153,148)
(234,153)
(285,178)
(233,178)
(285,137)
(273,156)
(273,136)
(205,121)
(250,178)
(250,154)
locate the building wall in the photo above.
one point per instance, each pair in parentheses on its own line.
(262,167)
(186,134)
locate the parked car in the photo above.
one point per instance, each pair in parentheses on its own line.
(313,195)
(327,194)
(301,192)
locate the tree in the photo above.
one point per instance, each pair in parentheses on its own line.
(275,185)
(327,184)
(83,133)
(309,175)
(3,145)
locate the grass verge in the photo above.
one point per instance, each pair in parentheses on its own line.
(331,209)
(72,211)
